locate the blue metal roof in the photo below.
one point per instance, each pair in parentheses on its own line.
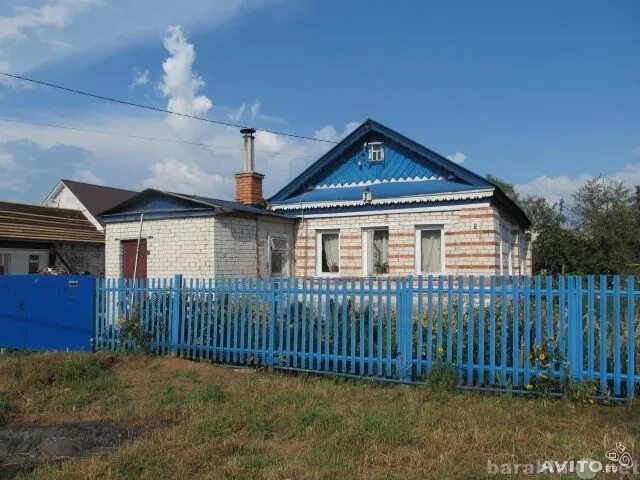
(348,164)
(378,191)
(160,204)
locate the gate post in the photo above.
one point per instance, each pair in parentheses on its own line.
(176,312)
(574,330)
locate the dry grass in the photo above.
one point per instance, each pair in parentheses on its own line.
(206,421)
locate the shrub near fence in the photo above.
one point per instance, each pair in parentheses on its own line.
(498,332)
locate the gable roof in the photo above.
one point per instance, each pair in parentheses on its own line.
(34,223)
(409,172)
(163,204)
(98,198)
(95,198)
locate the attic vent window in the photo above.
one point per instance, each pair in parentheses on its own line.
(376,151)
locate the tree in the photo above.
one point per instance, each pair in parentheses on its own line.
(605,215)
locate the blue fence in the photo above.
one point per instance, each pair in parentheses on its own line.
(46,312)
(498,332)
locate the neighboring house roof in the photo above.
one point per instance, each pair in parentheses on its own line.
(34,223)
(160,204)
(95,198)
(409,173)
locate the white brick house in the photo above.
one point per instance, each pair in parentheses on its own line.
(377,203)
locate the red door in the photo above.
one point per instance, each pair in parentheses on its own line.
(129,248)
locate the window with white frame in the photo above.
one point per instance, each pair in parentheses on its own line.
(376,151)
(5,262)
(278,255)
(506,253)
(376,251)
(429,249)
(328,252)
(34,263)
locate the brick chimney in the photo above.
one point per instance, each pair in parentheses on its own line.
(249,182)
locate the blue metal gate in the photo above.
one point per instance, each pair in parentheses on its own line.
(46,312)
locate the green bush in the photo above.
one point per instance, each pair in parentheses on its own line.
(441,378)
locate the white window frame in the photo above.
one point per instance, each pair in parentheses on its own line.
(376,149)
(418,239)
(319,234)
(365,249)
(279,236)
(29,261)
(505,234)
(6,264)
(522,252)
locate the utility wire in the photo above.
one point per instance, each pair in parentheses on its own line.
(140,137)
(156,109)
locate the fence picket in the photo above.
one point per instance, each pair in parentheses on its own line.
(617,367)
(378,328)
(631,317)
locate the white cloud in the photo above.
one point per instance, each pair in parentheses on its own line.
(6,161)
(140,77)
(135,163)
(31,37)
(54,14)
(184,177)
(253,111)
(181,85)
(457,157)
(88,176)
(562,187)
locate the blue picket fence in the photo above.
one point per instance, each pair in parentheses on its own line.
(498,332)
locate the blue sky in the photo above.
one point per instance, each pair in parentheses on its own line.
(541,93)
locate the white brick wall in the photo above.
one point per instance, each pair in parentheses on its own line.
(234,241)
(224,245)
(66,199)
(181,245)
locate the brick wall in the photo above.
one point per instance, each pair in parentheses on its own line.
(82,258)
(181,245)
(471,239)
(234,241)
(249,188)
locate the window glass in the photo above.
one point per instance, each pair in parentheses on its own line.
(377,244)
(5,260)
(431,251)
(34,263)
(278,256)
(330,246)
(376,152)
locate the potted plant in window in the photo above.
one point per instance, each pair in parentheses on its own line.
(381,268)
(333,268)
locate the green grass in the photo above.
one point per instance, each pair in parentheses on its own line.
(203,421)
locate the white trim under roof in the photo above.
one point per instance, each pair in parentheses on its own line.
(439,208)
(440,197)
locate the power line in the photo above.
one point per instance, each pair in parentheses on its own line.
(156,109)
(140,137)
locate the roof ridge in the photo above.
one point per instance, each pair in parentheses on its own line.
(68,180)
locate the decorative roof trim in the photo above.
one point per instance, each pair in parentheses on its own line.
(440,197)
(372,126)
(386,180)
